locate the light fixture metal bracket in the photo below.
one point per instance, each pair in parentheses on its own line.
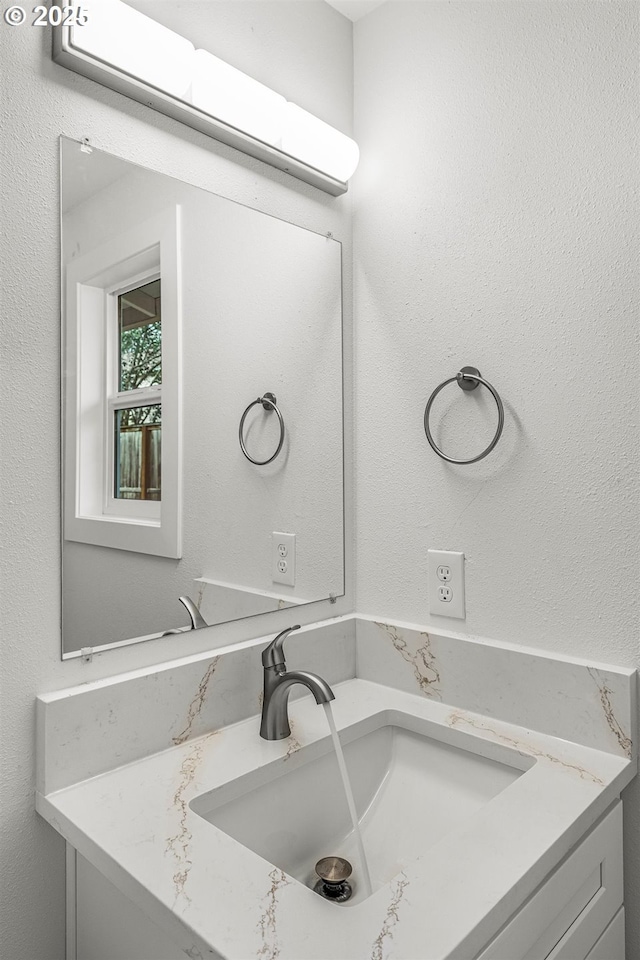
(65,54)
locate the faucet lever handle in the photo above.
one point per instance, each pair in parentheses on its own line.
(273,655)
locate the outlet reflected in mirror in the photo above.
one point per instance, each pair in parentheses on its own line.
(180,308)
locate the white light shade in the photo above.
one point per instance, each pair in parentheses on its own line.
(231,96)
(127,40)
(320,145)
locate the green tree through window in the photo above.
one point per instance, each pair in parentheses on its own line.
(140,348)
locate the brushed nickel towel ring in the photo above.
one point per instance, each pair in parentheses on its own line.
(268,401)
(468,378)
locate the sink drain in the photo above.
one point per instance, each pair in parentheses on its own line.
(333,883)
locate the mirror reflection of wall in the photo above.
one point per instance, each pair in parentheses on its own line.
(180,308)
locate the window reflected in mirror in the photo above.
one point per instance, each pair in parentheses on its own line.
(140,340)
(138,436)
(138,426)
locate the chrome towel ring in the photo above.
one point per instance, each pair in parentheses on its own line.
(268,401)
(468,378)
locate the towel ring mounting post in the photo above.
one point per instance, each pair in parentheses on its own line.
(268,401)
(468,378)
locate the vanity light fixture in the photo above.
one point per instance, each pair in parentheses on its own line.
(127,51)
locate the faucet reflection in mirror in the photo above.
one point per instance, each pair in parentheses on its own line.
(197,621)
(122,48)
(178,306)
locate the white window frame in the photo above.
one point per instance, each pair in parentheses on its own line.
(92,514)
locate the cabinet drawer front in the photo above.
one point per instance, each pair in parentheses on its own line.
(564,917)
(610,946)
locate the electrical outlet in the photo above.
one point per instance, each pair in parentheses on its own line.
(446,583)
(283,558)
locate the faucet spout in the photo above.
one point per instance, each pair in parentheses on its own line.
(197,620)
(278,682)
(318,687)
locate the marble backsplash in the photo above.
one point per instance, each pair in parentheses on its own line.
(95,727)
(587,703)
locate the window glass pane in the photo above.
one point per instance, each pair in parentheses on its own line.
(138,447)
(140,337)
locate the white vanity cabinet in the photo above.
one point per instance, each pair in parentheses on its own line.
(103,924)
(575,914)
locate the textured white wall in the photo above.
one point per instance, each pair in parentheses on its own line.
(495,225)
(305,52)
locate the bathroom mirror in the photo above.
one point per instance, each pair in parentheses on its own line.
(183,315)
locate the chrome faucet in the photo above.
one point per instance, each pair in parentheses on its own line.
(277,687)
(196,618)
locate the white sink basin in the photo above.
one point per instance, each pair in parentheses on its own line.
(410,791)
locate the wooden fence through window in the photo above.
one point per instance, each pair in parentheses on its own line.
(140,466)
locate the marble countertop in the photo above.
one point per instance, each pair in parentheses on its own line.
(216,898)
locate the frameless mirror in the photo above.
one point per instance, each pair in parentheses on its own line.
(202,407)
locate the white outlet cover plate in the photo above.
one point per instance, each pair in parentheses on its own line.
(455,562)
(283,552)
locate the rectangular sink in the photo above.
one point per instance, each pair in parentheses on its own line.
(410,791)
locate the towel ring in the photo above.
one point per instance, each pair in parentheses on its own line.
(268,401)
(464,379)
